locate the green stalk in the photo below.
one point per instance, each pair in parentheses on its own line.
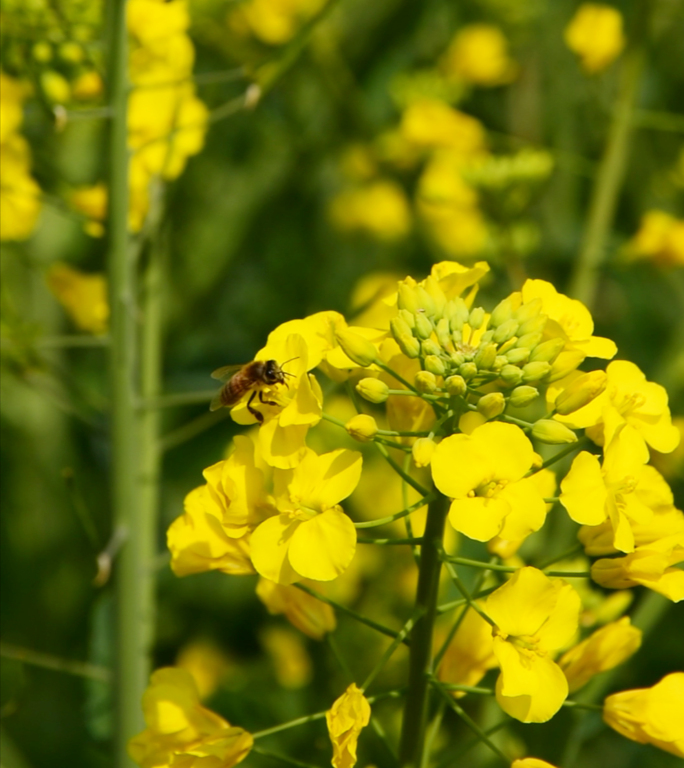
(420,660)
(611,172)
(131,635)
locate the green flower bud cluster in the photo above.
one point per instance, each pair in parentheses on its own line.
(466,347)
(498,172)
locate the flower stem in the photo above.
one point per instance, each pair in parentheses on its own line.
(397,516)
(415,711)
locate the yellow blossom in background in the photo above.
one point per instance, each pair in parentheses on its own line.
(379,208)
(430,124)
(311,616)
(650,715)
(604,649)
(671,464)
(470,654)
(92,202)
(207,664)
(83,296)
(311,536)
(478,54)
(483,473)
(660,238)
(347,717)
(531,762)
(272,21)
(87,86)
(534,616)
(288,654)
(180,731)
(595,35)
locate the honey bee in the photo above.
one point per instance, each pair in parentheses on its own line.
(240,379)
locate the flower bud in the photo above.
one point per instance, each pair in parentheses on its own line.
(501,313)
(499,362)
(436,293)
(407,297)
(491,405)
(535,371)
(409,345)
(533,325)
(505,331)
(457,336)
(582,391)
(425,382)
(435,365)
(528,340)
(527,311)
(476,318)
(468,370)
(455,385)
(430,347)
(511,375)
(71,52)
(373,390)
(55,86)
(408,317)
(422,451)
(457,358)
(362,428)
(486,337)
(457,312)
(553,432)
(443,333)
(425,302)
(566,363)
(358,349)
(400,327)
(423,329)
(547,351)
(485,356)
(518,356)
(522,396)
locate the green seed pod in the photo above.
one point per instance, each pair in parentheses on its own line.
(511,375)
(399,327)
(535,371)
(409,345)
(373,390)
(529,340)
(518,356)
(485,356)
(476,318)
(505,331)
(425,382)
(491,405)
(468,370)
(455,385)
(356,347)
(443,334)
(407,298)
(547,350)
(430,347)
(549,431)
(533,325)
(408,317)
(527,311)
(435,365)
(502,312)
(522,396)
(423,329)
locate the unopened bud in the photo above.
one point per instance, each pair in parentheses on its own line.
(435,364)
(55,86)
(422,451)
(533,325)
(485,356)
(455,385)
(373,390)
(407,297)
(505,331)
(476,318)
(522,396)
(549,431)
(547,351)
(467,370)
(400,327)
(409,345)
(358,349)
(566,363)
(408,317)
(425,301)
(362,428)
(443,333)
(511,375)
(457,312)
(491,405)
(502,312)
(457,336)
(457,358)
(499,362)
(527,311)
(430,347)
(425,382)
(423,329)
(582,391)
(436,294)
(535,371)
(528,340)
(486,337)
(518,355)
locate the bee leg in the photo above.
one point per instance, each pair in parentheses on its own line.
(265,402)
(258,416)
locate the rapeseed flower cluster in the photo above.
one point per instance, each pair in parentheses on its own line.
(468,396)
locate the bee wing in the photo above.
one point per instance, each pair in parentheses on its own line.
(216,401)
(225,372)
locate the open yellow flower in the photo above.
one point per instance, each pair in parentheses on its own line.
(180,731)
(534,616)
(603,650)
(478,54)
(348,715)
(484,475)
(84,296)
(595,35)
(650,715)
(311,536)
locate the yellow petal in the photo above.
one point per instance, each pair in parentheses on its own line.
(528,509)
(321,482)
(508,449)
(583,491)
(282,447)
(459,465)
(522,605)
(479,518)
(323,547)
(561,625)
(270,543)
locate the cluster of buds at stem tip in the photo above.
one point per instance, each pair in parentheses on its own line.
(464,346)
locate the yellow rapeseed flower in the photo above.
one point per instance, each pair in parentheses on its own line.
(84,296)
(180,731)
(478,54)
(534,616)
(348,715)
(595,35)
(650,715)
(660,238)
(470,654)
(430,124)
(291,661)
(207,664)
(379,208)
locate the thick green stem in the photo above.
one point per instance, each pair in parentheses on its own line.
(415,711)
(132,637)
(604,196)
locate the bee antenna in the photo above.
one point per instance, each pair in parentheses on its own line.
(286,362)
